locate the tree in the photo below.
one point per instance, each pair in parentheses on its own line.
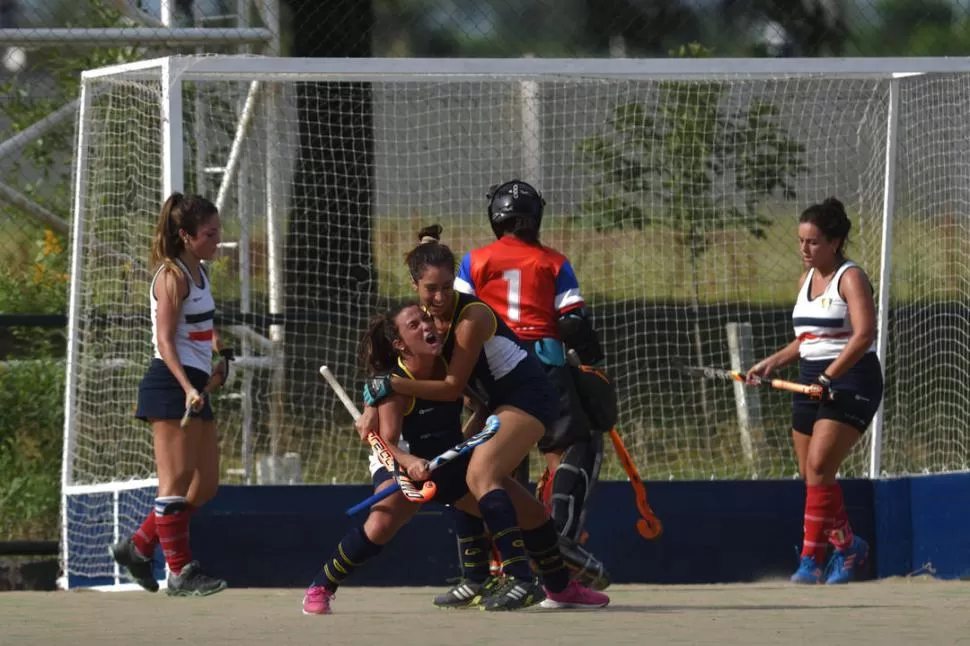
(680,158)
(806,28)
(647,27)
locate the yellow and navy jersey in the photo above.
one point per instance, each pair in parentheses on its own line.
(429,427)
(500,355)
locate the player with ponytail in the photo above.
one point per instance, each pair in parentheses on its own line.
(534,289)
(483,354)
(835,333)
(172,396)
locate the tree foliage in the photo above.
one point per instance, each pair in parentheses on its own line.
(690,162)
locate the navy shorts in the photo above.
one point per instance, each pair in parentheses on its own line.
(528,388)
(863,379)
(160,396)
(449,479)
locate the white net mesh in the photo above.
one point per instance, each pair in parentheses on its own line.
(653,190)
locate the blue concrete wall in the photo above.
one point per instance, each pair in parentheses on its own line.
(714,531)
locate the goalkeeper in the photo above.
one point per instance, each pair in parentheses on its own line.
(534,289)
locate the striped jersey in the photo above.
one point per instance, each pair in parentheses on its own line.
(194,331)
(822,323)
(528,286)
(500,354)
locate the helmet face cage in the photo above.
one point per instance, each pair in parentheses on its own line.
(514,198)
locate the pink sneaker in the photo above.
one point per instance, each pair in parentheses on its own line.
(575,596)
(316,601)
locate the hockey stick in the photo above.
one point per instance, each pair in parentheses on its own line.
(491,428)
(811,390)
(226,354)
(648,525)
(379,447)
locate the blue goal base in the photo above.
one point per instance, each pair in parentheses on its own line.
(714,532)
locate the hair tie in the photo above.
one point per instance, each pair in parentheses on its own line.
(427,239)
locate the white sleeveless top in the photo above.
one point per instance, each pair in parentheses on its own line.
(194,332)
(822,324)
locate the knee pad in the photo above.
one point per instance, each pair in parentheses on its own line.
(572,485)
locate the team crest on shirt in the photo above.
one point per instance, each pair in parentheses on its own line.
(825,303)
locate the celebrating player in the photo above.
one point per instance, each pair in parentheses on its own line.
(177,380)
(534,290)
(835,332)
(481,351)
(404,343)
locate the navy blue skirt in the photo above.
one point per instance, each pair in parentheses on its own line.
(864,379)
(160,396)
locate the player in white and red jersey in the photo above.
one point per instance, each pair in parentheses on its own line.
(177,380)
(534,289)
(835,332)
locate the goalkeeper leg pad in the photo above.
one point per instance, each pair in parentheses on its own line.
(572,485)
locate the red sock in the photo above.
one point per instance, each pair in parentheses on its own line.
(146,537)
(172,522)
(818,520)
(840,535)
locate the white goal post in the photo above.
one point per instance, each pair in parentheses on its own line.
(674,186)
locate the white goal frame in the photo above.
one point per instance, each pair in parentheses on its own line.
(265,73)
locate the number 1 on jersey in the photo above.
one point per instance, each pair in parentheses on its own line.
(514,278)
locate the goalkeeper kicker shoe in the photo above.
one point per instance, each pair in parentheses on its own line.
(139,567)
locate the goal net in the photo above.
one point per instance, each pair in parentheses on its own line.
(673,186)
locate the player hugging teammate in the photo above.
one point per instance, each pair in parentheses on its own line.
(534,290)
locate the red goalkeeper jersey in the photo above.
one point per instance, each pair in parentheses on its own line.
(529,286)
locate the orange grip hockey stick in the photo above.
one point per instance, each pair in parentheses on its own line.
(379,447)
(648,525)
(815,391)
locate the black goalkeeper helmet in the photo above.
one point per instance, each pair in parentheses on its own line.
(514,199)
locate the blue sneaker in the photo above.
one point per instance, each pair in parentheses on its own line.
(844,564)
(808,572)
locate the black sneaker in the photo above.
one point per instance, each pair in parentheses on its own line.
(464,594)
(193,582)
(514,594)
(138,567)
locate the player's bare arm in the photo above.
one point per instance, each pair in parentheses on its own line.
(476,325)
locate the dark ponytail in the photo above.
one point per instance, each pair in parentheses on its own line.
(429,252)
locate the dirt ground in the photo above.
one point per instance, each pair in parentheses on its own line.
(903,611)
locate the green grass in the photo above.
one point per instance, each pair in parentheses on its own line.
(928,259)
